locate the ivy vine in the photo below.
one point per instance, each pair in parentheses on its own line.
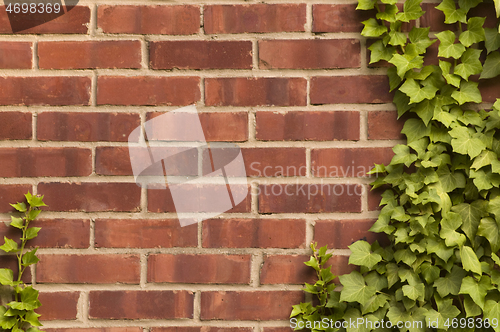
(441,208)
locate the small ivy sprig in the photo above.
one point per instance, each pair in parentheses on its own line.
(19,315)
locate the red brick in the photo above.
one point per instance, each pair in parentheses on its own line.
(89,54)
(220,126)
(275,329)
(86,127)
(338,18)
(484,10)
(434,18)
(266,233)
(200,54)
(272,162)
(339,234)
(309,54)
(160,200)
(200,329)
(33,162)
(374,198)
(145,20)
(140,304)
(364,89)
(147,90)
(15,125)
(90,197)
(254,305)
(348,162)
(384,125)
(309,198)
(53,90)
(75,21)
(431,55)
(254,18)
(307,126)
(263,91)
(144,233)
(113,160)
(10,261)
(16,55)
(55,233)
(489,89)
(12,193)
(286,269)
(83,269)
(199,269)
(58,305)
(340,266)
(96,329)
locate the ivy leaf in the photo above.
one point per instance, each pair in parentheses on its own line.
(30,258)
(405,63)
(468,4)
(474,33)
(471,215)
(9,245)
(451,13)
(362,255)
(366,4)
(402,155)
(468,92)
(447,47)
(415,129)
(32,318)
(450,180)
(420,38)
(446,311)
(372,28)
(21,207)
(355,289)
(397,38)
(470,64)
(380,52)
(402,102)
(414,292)
(394,79)
(389,14)
(470,262)
(494,207)
(417,93)
(476,290)
(491,310)
(450,284)
(375,302)
(411,11)
(492,39)
(471,308)
(491,66)
(464,143)
(17,222)
(450,78)
(489,229)
(448,226)
(32,232)
(6,277)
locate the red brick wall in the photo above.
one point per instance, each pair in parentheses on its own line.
(289,82)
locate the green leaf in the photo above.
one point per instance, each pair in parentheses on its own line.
(405,63)
(450,78)
(470,262)
(490,229)
(464,143)
(372,28)
(362,255)
(402,155)
(471,215)
(470,64)
(380,52)
(389,13)
(32,232)
(447,47)
(6,277)
(35,201)
(394,79)
(450,180)
(415,129)
(492,40)
(402,102)
(471,308)
(414,292)
(492,310)
(366,4)
(450,284)
(468,92)
(17,222)
(417,93)
(411,11)
(375,302)
(484,159)
(355,289)
(420,38)
(491,66)
(448,226)
(397,38)
(21,207)
(476,290)
(32,318)
(30,258)
(29,300)
(451,13)
(9,245)
(474,33)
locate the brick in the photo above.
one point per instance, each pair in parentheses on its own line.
(266,233)
(140,304)
(89,54)
(84,269)
(161,200)
(263,91)
(307,126)
(147,90)
(58,305)
(309,198)
(339,234)
(200,54)
(340,266)
(199,269)
(16,55)
(434,18)
(10,261)
(220,126)
(55,233)
(309,54)
(254,18)
(12,193)
(489,89)
(374,198)
(200,329)
(253,305)
(275,329)
(338,18)
(484,10)
(348,162)
(86,127)
(364,89)
(34,161)
(431,55)
(95,329)
(144,233)
(53,90)
(91,197)
(113,160)
(272,162)
(75,21)
(145,20)
(384,125)
(286,269)
(15,125)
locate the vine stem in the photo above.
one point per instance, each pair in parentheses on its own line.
(23,244)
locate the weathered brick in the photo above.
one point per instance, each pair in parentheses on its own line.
(348,162)
(254,305)
(277,329)
(89,196)
(37,90)
(309,198)
(262,91)
(338,18)
(374,198)
(16,55)
(89,54)
(309,54)
(147,90)
(200,54)
(10,261)
(286,269)
(266,233)
(273,162)
(113,160)
(384,125)
(254,18)
(87,127)
(95,329)
(307,126)
(489,89)
(12,193)
(34,161)
(15,125)
(339,234)
(200,329)
(58,305)
(145,20)
(434,18)
(364,89)
(196,269)
(140,304)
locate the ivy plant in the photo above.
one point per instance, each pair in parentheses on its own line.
(18,315)
(441,204)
